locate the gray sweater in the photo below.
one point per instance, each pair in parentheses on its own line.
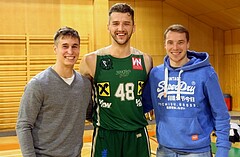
(52,115)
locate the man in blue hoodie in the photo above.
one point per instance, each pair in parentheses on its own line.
(187,100)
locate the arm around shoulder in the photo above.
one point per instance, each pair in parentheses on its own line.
(88,65)
(148,62)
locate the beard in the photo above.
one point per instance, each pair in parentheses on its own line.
(121,42)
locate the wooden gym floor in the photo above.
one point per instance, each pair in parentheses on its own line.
(9,146)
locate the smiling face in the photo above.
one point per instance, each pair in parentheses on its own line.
(121,27)
(67,49)
(176,45)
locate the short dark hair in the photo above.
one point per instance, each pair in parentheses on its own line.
(65,31)
(177,28)
(122,8)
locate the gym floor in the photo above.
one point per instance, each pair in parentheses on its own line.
(9,146)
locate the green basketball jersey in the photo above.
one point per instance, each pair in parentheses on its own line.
(118,84)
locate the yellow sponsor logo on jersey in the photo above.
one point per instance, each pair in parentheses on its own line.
(103,89)
(140,87)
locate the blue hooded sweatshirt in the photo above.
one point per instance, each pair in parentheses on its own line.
(188,105)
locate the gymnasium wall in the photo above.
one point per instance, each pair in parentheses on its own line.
(26,45)
(231,62)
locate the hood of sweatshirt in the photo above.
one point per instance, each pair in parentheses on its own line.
(196,60)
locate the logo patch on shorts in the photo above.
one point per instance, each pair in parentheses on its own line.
(104,153)
(139,135)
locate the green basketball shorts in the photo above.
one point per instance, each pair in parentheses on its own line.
(114,143)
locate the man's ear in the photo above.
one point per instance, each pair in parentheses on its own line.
(108,27)
(134,28)
(55,49)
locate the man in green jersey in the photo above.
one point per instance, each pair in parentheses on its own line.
(118,73)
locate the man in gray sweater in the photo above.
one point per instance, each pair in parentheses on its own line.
(53,107)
